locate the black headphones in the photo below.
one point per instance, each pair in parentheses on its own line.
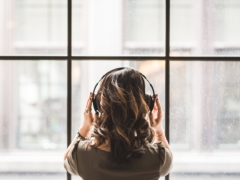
(148,98)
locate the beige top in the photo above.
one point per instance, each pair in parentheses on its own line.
(94,164)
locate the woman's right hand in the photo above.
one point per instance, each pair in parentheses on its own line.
(156,117)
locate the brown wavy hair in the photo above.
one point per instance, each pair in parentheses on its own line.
(122,121)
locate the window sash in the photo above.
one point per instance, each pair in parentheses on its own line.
(167,58)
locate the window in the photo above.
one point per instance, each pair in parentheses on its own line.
(191,57)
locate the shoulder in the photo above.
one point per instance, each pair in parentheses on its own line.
(77,156)
(85,149)
(84,145)
(156,149)
(163,154)
(166,158)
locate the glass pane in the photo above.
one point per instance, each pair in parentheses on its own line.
(205,27)
(144,27)
(79,27)
(32,119)
(119,27)
(205,120)
(85,75)
(33,27)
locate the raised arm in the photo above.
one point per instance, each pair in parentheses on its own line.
(86,126)
(156,123)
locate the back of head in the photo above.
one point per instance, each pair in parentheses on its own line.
(122,121)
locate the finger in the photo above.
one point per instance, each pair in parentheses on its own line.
(159,107)
(155,106)
(155,102)
(159,112)
(154,95)
(89,102)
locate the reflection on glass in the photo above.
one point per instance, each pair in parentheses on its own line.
(205,120)
(205,27)
(33,27)
(32,119)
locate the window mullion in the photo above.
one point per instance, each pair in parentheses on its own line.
(167,73)
(69,76)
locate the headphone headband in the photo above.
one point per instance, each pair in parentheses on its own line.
(118,69)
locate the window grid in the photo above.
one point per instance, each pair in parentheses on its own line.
(167,58)
(167,73)
(69,78)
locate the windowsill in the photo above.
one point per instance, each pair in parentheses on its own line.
(32,161)
(212,162)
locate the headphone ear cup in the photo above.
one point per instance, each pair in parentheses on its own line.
(150,101)
(96,104)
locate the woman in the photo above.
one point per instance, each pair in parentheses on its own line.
(128,140)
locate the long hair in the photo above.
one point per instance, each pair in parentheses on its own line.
(122,121)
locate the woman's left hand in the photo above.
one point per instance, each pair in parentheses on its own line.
(88,118)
